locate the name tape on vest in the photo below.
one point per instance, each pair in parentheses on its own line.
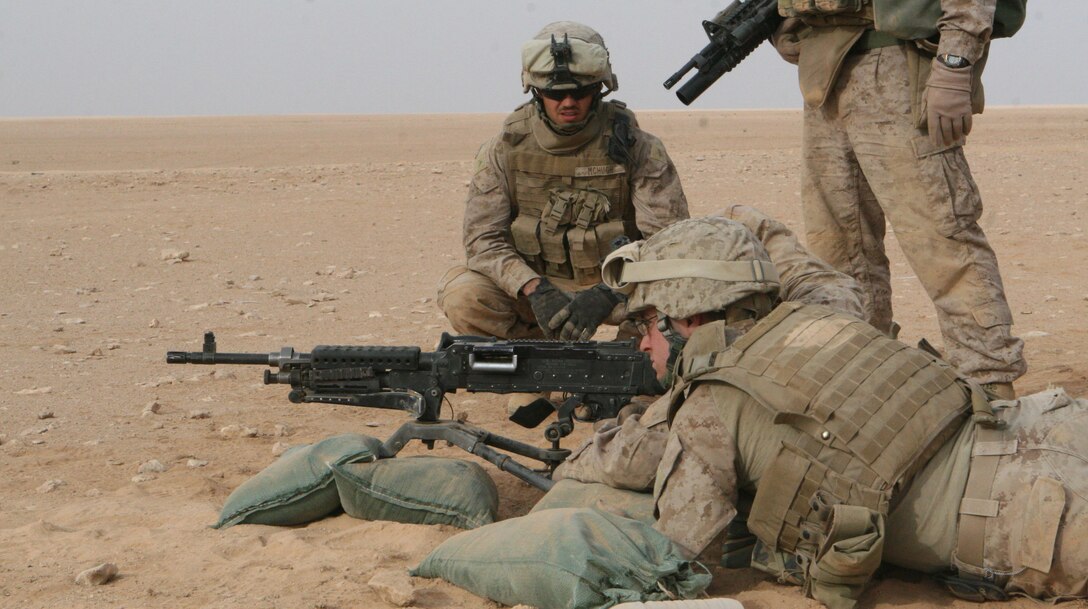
(598,170)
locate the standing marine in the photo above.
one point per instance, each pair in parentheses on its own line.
(890,87)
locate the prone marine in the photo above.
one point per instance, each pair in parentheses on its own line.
(854,448)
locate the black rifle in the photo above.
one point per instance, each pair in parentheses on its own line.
(599,376)
(734,33)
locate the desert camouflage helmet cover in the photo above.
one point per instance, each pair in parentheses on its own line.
(694,266)
(589,62)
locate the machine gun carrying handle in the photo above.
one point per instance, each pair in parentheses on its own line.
(509,365)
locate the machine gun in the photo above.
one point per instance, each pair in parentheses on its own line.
(734,33)
(600,377)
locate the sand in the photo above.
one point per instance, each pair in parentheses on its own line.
(314,230)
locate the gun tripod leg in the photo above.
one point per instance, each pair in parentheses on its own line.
(478,442)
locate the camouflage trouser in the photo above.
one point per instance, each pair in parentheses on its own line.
(1035,544)
(864,159)
(475,305)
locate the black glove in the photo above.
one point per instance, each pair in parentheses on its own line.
(586,311)
(548,302)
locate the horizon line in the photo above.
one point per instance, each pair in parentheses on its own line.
(388,114)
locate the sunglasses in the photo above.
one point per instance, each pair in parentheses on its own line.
(577,94)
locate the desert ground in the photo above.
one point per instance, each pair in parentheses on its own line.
(121,239)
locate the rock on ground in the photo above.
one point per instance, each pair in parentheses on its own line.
(394,587)
(97,576)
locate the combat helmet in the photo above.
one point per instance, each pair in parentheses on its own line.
(701,265)
(566,55)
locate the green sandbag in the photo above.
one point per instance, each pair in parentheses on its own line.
(296,488)
(418,490)
(571,493)
(566,558)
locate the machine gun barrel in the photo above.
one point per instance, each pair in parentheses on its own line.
(199,357)
(210,357)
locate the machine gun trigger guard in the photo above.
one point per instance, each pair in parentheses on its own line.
(564,423)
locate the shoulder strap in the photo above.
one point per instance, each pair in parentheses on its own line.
(621,140)
(516,125)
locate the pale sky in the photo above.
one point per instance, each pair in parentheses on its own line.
(257,57)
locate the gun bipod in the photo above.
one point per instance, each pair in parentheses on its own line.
(479,442)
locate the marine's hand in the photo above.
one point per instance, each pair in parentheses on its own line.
(548,301)
(579,320)
(948,103)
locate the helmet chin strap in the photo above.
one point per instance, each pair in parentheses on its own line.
(676,347)
(736,325)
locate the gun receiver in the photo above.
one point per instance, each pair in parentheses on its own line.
(599,376)
(734,33)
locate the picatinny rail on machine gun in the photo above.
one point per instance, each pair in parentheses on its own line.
(598,378)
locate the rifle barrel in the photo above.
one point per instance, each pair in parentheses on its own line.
(675,78)
(734,33)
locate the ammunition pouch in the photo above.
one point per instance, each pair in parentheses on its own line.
(849,554)
(795,8)
(570,206)
(570,236)
(849,551)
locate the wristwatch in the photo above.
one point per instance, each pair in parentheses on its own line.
(953,61)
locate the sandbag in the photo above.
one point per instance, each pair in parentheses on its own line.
(701,603)
(298,487)
(571,493)
(566,558)
(418,490)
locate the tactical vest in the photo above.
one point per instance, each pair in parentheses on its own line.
(917,19)
(808,8)
(568,208)
(904,19)
(871,412)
